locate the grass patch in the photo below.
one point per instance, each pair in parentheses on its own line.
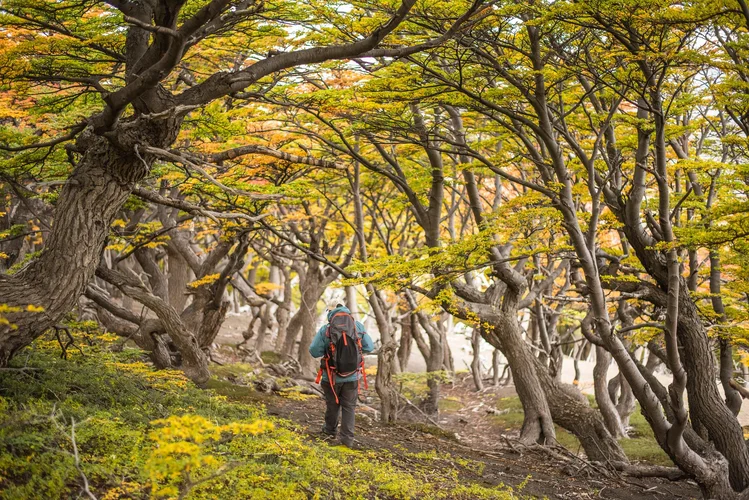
(450,404)
(512,418)
(431,429)
(641,446)
(237,393)
(231,370)
(270,357)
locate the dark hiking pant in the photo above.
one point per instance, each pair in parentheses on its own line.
(347,394)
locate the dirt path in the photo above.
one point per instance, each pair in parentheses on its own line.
(479,456)
(473,445)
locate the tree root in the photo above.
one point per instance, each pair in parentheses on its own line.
(670,473)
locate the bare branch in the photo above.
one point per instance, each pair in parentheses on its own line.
(77,458)
(226,83)
(151,27)
(193,209)
(234,153)
(48,144)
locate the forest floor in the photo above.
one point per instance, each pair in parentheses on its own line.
(97,420)
(476,439)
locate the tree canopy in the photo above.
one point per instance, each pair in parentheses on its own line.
(561,179)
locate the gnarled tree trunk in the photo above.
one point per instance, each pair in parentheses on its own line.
(100,183)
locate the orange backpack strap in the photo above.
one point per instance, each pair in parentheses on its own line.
(331,380)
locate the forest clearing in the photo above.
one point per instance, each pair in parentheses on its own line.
(372,249)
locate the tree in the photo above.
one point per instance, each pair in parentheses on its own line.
(133,117)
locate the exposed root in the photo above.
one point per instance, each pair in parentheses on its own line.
(670,473)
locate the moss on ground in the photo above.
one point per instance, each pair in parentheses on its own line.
(142,433)
(450,404)
(270,357)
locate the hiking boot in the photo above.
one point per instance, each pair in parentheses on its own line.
(326,436)
(351,445)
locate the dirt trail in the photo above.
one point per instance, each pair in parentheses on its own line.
(492,461)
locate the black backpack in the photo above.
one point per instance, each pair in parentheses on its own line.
(344,346)
(343,352)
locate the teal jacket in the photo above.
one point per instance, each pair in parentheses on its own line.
(317,347)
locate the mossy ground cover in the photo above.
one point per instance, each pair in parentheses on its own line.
(141,433)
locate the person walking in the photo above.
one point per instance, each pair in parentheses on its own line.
(341,343)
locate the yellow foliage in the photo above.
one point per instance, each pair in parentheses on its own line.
(163,379)
(126,489)
(6,309)
(744,357)
(266,288)
(205,280)
(295,394)
(179,448)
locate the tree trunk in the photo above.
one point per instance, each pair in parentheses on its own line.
(179,276)
(495,367)
(447,355)
(433,352)
(385,359)
(312,288)
(704,399)
(88,203)
(292,332)
(538,426)
(571,411)
(406,341)
(309,320)
(605,403)
(476,361)
(543,398)
(194,361)
(626,403)
(283,313)
(384,385)
(311,293)
(351,301)
(213,318)
(434,368)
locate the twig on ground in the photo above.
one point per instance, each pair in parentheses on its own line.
(86,489)
(76,457)
(70,342)
(436,424)
(190,484)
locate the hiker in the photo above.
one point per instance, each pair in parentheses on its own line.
(341,343)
